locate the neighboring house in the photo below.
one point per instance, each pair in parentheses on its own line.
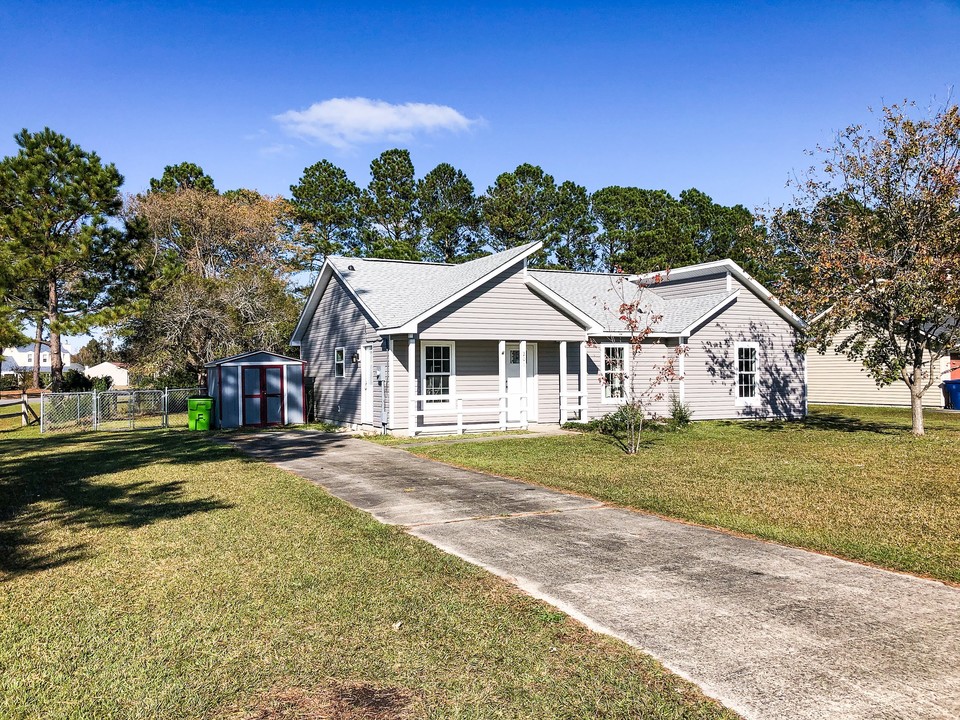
(22,358)
(117,372)
(834,379)
(408,347)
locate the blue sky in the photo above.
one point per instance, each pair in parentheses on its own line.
(721,96)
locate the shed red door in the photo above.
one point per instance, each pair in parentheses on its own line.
(263,395)
(955,366)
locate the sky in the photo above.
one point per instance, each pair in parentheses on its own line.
(725,97)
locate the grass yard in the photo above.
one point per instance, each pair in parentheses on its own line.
(153,574)
(848,481)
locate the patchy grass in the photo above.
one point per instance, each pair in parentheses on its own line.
(11,421)
(155,574)
(847,481)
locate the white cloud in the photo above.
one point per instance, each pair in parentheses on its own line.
(343,122)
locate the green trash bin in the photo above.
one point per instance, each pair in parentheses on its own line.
(199,412)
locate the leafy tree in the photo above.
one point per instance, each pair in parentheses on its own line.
(574,228)
(222,264)
(93,353)
(643,230)
(450,214)
(390,209)
(519,208)
(725,232)
(183,176)
(869,248)
(57,202)
(326,204)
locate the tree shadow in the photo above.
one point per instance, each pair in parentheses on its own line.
(826,421)
(54,482)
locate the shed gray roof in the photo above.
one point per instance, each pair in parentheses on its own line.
(600,295)
(398,291)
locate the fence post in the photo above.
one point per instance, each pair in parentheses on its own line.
(78,409)
(95,411)
(23,409)
(42,403)
(166,408)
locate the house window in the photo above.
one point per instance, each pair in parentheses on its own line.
(438,372)
(614,373)
(45,359)
(29,358)
(339,362)
(748,371)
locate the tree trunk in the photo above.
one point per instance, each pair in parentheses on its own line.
(56,359)
(37,344)
(916,401)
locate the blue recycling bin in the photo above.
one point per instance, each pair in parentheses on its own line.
(951,389)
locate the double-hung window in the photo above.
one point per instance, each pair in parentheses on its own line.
(614,373)
(339,361)
(748,373)
(438,374)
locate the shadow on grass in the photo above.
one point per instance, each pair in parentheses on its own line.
(47,480)
(824,421)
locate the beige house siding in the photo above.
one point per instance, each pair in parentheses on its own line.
(644,366)
(502,308)
(833,379)
(710,362)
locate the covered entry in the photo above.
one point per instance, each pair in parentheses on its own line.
(257,389)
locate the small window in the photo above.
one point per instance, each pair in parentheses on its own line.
(29,358)
(45,359)
(438,372)
(748,370)
(514,357)
(339,362)
(614,372)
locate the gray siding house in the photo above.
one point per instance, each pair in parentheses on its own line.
(411,347)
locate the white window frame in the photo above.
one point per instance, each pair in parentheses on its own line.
(747,401)
(29,358)
(340,364)
(44,358)
(603,373)
(424,344)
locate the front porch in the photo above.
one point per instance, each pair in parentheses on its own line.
(461,386)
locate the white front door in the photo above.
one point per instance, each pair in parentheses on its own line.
(366,385)
(515,384)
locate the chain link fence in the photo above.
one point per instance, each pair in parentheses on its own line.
(115,409)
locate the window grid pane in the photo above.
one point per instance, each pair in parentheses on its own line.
(614,367)
(746,372)
(437,370)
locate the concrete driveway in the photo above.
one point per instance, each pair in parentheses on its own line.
(770,631)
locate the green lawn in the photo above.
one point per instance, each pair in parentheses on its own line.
(847,481)
(153,574)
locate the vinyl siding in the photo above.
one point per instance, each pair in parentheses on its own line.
(710,362)
(503,308)
(835,380)
(643,366)
(694,286)
(337,322)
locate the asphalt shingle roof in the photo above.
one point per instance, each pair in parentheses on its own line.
(600,295)
(398,291)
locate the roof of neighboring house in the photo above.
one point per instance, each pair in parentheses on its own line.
(283,359)
(600,295)
(397,294)
(44,347)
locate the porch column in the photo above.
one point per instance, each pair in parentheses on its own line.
(412,384)
(681,366)
(524,388)
(563,381)
(584,414)
(502,384)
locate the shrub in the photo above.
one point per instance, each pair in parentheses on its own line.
(76,381)
(680,413)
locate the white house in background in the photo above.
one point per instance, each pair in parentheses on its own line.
(15,358)
(117,372)
(411,347)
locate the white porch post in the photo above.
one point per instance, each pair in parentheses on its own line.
(563,381)
(681,366)
(412,384)
(584,414)
(524,388)
(502,384)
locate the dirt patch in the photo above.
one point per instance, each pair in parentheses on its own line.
(355,701)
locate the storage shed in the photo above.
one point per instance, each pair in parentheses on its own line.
(256,389)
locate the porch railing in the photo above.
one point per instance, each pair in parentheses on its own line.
(428,405)
(580,407)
